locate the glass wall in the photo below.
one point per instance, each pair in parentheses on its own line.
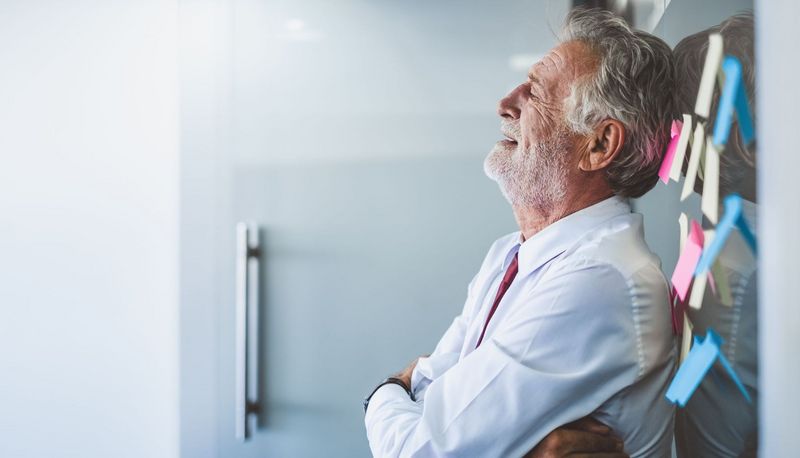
(720,419)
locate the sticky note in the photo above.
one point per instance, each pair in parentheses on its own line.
(723,290)
(744,116)
(732,373)
(744,229)
(687,262)
(669,156)
(698,146)
(733,211)
(701,165)
(686,338)
(680,150)
(702,356)
(694,368)
(732,99)
(717,278)
(698,291)
(683,226)
(711,69)
(710,199)
(732,217)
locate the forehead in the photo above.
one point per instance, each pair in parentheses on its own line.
(565,62)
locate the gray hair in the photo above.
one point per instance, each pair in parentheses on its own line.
(634,84)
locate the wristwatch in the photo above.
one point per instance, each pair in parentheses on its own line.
(393,381)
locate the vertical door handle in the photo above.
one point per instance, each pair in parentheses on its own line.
(248,254)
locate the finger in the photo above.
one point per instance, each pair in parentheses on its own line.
(582,441)
(589,424)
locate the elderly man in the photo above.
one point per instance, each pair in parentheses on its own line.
(567,318)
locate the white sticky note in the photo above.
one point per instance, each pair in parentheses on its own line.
(701,165)
(711,70)
(683,224)
(710,200)
(723,287)
(698,146)
(680,152)
(686,338)
(698,291)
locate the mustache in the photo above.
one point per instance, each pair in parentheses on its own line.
(510,129)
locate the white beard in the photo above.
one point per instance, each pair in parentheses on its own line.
(535,177)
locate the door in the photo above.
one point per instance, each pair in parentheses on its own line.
(353,135)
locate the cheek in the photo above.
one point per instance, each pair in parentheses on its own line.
(536,125)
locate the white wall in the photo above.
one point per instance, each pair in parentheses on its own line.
(88,229)
(778,220)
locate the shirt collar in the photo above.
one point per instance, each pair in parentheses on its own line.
(557,237)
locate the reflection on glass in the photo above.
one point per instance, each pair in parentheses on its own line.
(718,421)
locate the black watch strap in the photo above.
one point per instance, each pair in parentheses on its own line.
(388,381)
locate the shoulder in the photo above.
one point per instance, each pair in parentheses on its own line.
(612,274)
(618,243)
(618,246)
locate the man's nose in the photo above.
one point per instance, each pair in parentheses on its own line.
(508,107)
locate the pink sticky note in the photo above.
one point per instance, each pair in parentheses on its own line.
(684,270)
(669,156)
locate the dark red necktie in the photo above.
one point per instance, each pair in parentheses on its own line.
(511,272)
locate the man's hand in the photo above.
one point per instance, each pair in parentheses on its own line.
(405,374)
(586,437)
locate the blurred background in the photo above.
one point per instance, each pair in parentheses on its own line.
(222,222)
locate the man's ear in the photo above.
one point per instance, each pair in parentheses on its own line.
(604,145)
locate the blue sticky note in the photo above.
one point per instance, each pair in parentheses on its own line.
(732,217)
(747,234)
(733,99)
(697,363)
(744,116)
(734,377)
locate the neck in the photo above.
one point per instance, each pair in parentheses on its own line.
(532,220)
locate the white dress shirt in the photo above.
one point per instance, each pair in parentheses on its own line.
(583,329)
(718,421)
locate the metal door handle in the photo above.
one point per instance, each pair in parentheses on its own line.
(248,253)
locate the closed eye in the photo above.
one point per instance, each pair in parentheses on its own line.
(533,88)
